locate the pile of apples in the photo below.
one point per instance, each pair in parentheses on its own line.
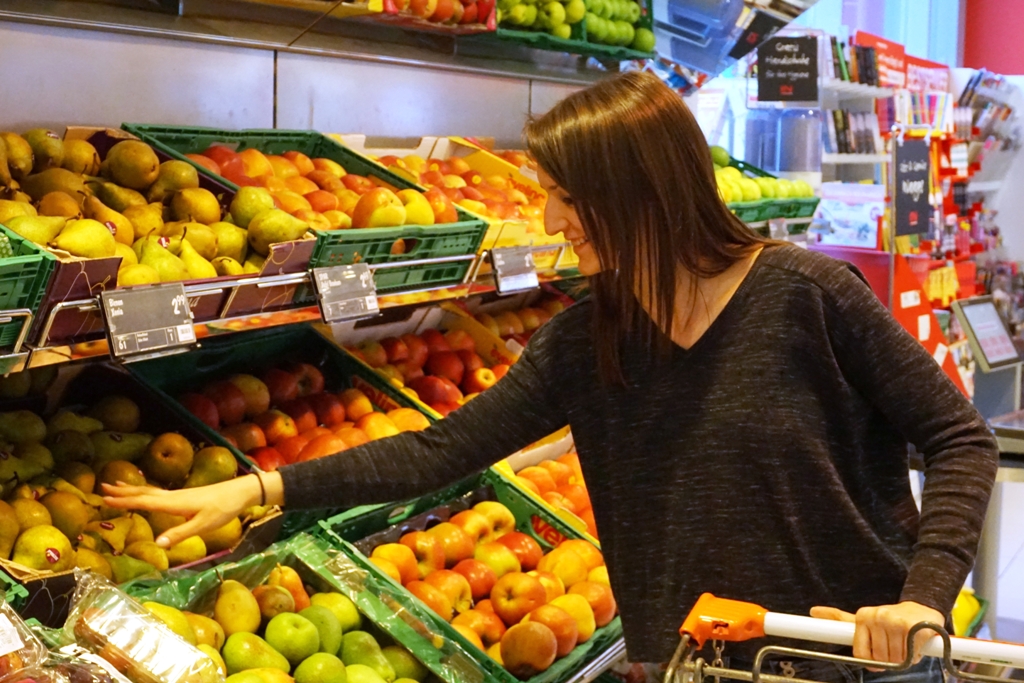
(286,416)
(441,369)
(323,194)
(520,325)
(560,483)
(450,12)
(498,588)
(492,196)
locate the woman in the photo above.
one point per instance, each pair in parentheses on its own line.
(741,408)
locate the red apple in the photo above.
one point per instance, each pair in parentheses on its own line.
(479,380)
(373,353)
(268,458)
(283,385)
(499,558)
(302,412)
(229,400)
(435,341)
(525,548)
(460,340)
(443,12)
(500,370)
(427,549)
(444,409)
(454,194)
(552,584)
(515,595)
(418,349)
(410,371)
(276,425)
(328,409)
(446,364)
(432,179)
(311,380)
(528,649)
(454,586)
(476,526)
(470,13)
(561,623)
(457,544)
(487,625)
(357,183)
(471,361)
(480,576)
(433,390)
(378,208)
(220,154)
(501,518)
(395,349)
(202,407)
(444,210)
(432,598)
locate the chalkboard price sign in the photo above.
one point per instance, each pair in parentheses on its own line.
(787,69)
(147,319)
(912,207)
(346,292)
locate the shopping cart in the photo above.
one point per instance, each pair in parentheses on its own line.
(720,621)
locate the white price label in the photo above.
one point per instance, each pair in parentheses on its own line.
(940,354)
(924,327)
(10,639)
(910,298)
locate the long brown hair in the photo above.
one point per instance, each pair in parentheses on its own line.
(632,157)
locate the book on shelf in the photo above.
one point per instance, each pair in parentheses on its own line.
(848,132)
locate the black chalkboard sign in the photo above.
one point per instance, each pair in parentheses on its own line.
(346,292)
(147,319)
(762,27)
(911,205)
(787,69)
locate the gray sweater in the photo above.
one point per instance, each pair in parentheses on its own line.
(766,463)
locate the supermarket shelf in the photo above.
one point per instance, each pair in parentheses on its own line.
(848,91)
(836,159)
(984,185)
(605,661)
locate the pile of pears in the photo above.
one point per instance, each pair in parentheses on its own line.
(281,632)
(155,216)
(53,517)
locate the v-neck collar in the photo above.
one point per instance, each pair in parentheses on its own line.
(734,302)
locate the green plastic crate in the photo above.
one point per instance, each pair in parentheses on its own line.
(357,531)
(791,207)
(336,247)
(171,376)
(753,212)
(325,570)
(14,592)
(23,281)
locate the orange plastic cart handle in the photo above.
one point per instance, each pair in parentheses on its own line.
(720,619)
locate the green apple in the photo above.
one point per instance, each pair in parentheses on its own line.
(563,31)
(575,10)
(643,40)
(344,609)
(597,30)
(552,14)
(633,15)
(293,636)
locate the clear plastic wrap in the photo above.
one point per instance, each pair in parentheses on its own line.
(108,623)
(20,650)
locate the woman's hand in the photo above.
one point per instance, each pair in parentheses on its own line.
(206,508)
(881,632)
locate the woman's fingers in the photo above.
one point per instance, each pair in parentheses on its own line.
(832,613)
(192,527)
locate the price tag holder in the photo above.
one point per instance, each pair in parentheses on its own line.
(346,292)
(514,269)
(147,320)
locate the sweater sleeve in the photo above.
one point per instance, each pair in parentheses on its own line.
(512,414)
(893,371)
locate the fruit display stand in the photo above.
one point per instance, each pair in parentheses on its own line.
(345,9)
(407,257)
(14,593)
(60,471)
(449,17)
(173,376)
(360,530)
(797,212)
(24,276)
(382,609)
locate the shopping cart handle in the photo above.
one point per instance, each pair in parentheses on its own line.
(714,618)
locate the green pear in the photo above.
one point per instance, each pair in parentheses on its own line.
(44,548)
(198,268)
(81,157)
(202,238)
(244,677)
(168,266)
(36,453)
(79,475)
(328,626)
(196,204)
(123,230)
(39,229)
(30,513)
(9,529)
(173,176)
(146,219)
(117,413)
(66,420)
(113,532)
(211,465)
(321,668)
(293,636)
(19,155)
(231,240)
(86,238)
(405,664)
(41,184)
(273,226)
(225,265)
(22,426)
(47,148)
(344,609)
(87,558)
(149,552)
(132,164)
(360,673)
(140,531)
(359,647)
(244,651)
(9,210)
(69,445)
(236,609)
(248,203)
(191,549)
(126,568)
(116,197)
(119,446)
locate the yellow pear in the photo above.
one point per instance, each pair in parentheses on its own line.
(124,232)
(198,268)
(231,240)
(39,229)
(19,155)
(225,265)
(138,274)
(59,204)
(86,238)
(174,175)
(167,265)
(196,204)
(127,254)
(132,164)
(81,157)
(202,238)
(10,209)
(273,226)
(146,219)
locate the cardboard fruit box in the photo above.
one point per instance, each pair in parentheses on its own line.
(77,278)
(324,569)
(78,388)
(254,353)
(357,532)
